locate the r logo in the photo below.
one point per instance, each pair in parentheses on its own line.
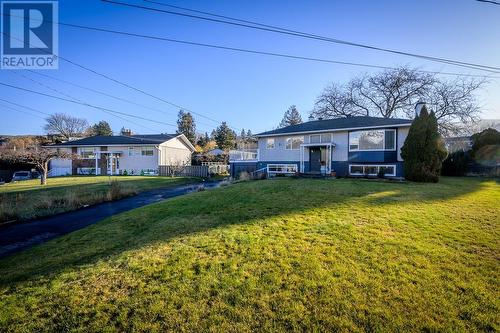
(29,28)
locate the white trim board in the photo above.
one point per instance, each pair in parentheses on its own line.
(333,130)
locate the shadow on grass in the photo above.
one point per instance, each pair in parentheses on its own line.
(199,212)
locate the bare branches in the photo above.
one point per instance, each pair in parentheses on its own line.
(455,104)
(65,125)
(337,102)
(394,93)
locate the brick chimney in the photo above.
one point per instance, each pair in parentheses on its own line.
(126,132)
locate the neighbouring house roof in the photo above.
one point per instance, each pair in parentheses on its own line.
(338,124)
(118,140)
(215,152)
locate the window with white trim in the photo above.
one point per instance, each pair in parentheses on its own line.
(315,138)
(147,151)
(371,140)
(326,138)
(87,152)
(294,143)
(132,151)
(320,138)
(372,170)
(270,143)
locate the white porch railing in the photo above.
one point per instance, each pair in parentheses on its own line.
(244,155)
(282,169)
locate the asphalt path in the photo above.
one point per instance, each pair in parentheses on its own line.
(20,236)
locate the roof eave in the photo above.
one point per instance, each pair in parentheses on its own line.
(260,135)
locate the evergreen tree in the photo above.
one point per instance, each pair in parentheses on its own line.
(291,117)
(249,134)
(203,140)
(489,136)
(225,137)
(186,126)
(423,151)
(243,135)
(101,128)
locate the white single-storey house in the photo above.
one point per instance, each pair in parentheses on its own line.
(115,155)
(352,146)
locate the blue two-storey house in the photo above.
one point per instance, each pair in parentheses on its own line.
(354,146)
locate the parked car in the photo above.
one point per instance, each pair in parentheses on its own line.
(21,175)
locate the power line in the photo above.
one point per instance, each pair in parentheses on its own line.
(116,80)
(104,94)
(85,104)
(490,2)
(235,49)
(25,112)
(311,36)
(276,29)
(82,101)
(25,107)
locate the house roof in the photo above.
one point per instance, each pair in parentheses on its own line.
(338,124)
(103,140)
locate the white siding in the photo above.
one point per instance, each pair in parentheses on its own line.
(171,152)
(60,167)
(402,134)
(174,152)
(136,163)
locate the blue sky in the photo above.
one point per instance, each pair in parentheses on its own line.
(247,91)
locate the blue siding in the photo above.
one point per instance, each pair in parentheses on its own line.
(341,168)
(236,168)
(373,156)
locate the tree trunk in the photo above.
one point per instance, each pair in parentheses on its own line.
(43,173)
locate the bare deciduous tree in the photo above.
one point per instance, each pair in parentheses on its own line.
(394,93)
(39,157)
(455,104)
(336,102)
(65,125)
(390,93)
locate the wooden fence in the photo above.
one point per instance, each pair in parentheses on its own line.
(183,170)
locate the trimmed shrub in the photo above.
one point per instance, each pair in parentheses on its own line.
(423,151)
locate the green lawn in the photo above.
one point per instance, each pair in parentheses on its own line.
(28,199)
(277,255)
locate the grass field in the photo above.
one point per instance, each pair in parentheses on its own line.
(28,199)
(277,255)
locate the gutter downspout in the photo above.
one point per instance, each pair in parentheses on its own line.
(158,159)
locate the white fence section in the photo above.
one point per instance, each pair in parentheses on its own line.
(244,155)
(216,168)
(282,169)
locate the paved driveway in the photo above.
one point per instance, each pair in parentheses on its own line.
(17,237)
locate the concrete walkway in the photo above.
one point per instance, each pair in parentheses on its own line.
(17,237)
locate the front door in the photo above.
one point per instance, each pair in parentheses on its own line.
(315,159)
(112,164)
